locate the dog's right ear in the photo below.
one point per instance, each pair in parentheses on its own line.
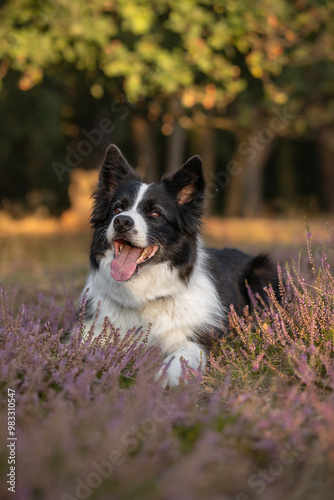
(114,171)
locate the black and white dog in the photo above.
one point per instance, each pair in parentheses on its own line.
(149,266)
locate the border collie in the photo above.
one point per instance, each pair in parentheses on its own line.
(148,265)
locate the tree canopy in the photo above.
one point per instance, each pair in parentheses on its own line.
(206,51)
(226,64)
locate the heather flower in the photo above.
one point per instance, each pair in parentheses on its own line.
(91,421)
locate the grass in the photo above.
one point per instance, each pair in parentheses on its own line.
(36,263)
(92,423)
(32,263)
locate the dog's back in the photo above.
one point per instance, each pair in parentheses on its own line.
(233,270)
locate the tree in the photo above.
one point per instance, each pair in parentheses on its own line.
(261,69)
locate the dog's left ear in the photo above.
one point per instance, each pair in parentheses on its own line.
(187,185)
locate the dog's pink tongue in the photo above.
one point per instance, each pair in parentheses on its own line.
(124,265)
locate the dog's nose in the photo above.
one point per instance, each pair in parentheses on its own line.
(123,223)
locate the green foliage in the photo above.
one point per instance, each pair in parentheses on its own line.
(179,47)
(234,59)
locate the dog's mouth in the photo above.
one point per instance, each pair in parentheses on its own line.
(128,257)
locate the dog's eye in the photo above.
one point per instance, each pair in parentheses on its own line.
(154,214)
(118,210)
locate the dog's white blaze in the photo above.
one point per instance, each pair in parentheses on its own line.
(139,235)
(157,295)
(140,195)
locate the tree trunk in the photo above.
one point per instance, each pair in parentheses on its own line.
(205,138)
(326,154)
(244,197)
(177,140)
(287,181)
(146,149)
(176,147)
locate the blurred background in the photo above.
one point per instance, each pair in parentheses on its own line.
(249,86)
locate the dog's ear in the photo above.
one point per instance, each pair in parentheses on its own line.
(187,185)
(114,171)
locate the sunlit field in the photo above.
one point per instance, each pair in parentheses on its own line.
(58,260)
(92,423)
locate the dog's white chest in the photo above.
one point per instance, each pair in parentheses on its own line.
(175,311)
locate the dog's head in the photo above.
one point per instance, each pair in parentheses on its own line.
(146,223)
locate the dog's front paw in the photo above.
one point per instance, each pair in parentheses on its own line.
(171,371)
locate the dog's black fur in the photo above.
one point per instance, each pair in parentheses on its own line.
(149,265)
(234,270)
